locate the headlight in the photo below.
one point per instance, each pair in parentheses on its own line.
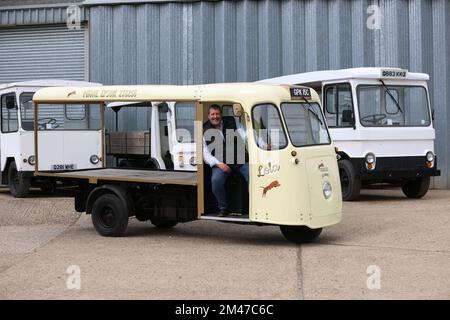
(31,160)
(430,156)
(94,159)
(370,158)
(193,161)
(327,190)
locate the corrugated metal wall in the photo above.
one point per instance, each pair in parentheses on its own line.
(201,42)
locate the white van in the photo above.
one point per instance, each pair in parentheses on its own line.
(17,147)
(382,123)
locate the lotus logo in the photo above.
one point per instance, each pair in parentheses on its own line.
(71,93)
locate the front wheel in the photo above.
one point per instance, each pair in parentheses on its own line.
(416,188)
(19,186)
(300,234)
(350,184)
(109,216)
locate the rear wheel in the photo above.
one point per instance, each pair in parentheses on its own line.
(163,223)
(109,216)
(300,234)
(416,188)
(350,185)
(19,186)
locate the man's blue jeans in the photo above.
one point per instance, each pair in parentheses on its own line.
(219,178)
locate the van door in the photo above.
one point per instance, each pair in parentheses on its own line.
(278,186)
(10,138)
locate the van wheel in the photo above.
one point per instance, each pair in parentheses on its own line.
(163,223)
(19,186)
(109,216)
(416,188)
(350,185)
(300,234)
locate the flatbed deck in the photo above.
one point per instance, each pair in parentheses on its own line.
(130,175)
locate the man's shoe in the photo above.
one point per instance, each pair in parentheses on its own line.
(223,213)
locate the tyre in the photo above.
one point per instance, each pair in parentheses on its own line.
(19,187)
(350,185)
(300,234)
(163,223)
(109,216)
(416,188)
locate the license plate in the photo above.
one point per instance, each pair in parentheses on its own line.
(59,167)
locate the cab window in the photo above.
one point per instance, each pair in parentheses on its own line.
(339,105)
(269,132)
(9,113)
(185,121)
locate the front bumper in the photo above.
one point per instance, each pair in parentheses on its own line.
(395,168)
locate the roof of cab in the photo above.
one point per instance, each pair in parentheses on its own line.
(341,74)
(48,83)
(233,92)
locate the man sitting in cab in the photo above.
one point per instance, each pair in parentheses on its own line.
(224,151)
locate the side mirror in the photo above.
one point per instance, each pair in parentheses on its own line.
(10,101)
(237,110)
(163,107)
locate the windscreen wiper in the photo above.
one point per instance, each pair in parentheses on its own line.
(310,109)
(392,97)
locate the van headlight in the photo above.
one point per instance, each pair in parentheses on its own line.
(430,156)
(370,158)
(94,159)
(31,160)
(327,190)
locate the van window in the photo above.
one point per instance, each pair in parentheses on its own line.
(269,132)
(339,105)
(76,112)
(305,124)
(9,115)
(185,121)
(27,110)
(61,117)
(404,106)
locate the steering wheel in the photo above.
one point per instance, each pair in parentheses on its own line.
(374,118)
(42,123)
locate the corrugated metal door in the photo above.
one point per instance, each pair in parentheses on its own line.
(42,52)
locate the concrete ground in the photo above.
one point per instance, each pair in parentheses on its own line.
(386,247)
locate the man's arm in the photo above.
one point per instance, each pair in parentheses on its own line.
(208,157)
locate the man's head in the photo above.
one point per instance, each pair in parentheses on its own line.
(215,115)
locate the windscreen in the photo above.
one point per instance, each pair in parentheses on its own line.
(59,116)
(305,124)
(386,106)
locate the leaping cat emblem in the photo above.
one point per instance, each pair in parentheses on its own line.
(272,185)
